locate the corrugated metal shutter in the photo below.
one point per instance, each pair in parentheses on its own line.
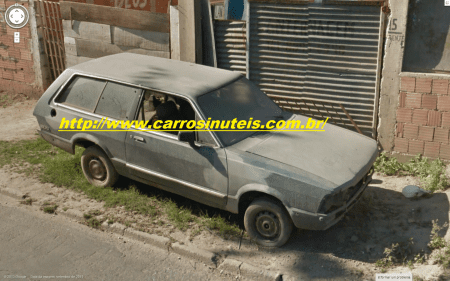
(230,37)
(325,53)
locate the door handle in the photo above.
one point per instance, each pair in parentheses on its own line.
(136,138)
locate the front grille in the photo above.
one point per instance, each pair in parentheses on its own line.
(343,197)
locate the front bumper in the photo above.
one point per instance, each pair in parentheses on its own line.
(316,221)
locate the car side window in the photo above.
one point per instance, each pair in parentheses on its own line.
(83,93)
(117,101)
(204,137)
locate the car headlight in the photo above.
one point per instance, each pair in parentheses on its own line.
(336,200)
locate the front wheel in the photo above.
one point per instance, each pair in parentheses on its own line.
(97,168)
(267,223)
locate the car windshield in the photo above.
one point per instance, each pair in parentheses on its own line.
(241,100)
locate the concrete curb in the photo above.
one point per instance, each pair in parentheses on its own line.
(152,239)
(207,257)
(115,228)
(72,214)
(11,193)
(231,266)
(256,273)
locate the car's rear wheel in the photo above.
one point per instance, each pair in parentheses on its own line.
(97,168)
(267,223)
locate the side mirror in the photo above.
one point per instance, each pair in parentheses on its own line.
(187,137)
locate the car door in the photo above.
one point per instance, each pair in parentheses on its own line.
(199,173)
(91,100)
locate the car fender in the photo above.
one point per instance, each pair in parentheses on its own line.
(83,136)
(262,189)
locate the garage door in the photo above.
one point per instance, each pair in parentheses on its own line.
(318,53)
(230,36)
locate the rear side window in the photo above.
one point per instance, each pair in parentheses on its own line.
(83,92)
(118,101)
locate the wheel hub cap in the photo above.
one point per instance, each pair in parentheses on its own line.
(267,224)
(97,169)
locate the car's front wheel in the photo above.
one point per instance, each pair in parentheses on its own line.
(267,223)
(97,168)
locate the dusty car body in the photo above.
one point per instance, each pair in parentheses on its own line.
(277,179)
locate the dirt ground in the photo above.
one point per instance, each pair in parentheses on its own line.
(16,117)
(347,251)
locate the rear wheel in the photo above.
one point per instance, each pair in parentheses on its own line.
(268,223)
(97,168)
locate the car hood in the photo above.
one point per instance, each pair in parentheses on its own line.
(337,155)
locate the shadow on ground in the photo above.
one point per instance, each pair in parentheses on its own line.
(383,217)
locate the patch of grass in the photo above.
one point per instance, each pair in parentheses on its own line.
(180,217)
(91,214)
(91,219)
(94,223)
(5,100)
(28,201)
(431,174)
(53,165)
(30,151)
(221,225)
(49,207)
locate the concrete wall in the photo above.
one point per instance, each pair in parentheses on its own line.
(157,6)
(390,81)
(19,62)
(85,41)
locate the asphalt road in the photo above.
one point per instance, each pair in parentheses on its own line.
(38,246)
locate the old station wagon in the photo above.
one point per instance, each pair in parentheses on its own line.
(276,179)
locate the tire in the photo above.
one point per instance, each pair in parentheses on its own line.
(267,223)
(97,168)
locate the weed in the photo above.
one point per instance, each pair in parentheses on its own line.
(410,264)
(49,207)
(397,253)
(431,174)
(94,223)
(419,258)
(437,242)
(28,201)
(91,214)
(65,209)
(5,100)
(387,166)
(180,217)
(220,224)
(110,221)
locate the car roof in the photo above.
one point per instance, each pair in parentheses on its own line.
(162,74)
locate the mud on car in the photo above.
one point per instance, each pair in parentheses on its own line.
(276,179)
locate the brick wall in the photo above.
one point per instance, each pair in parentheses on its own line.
(16,60)
(423,117)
